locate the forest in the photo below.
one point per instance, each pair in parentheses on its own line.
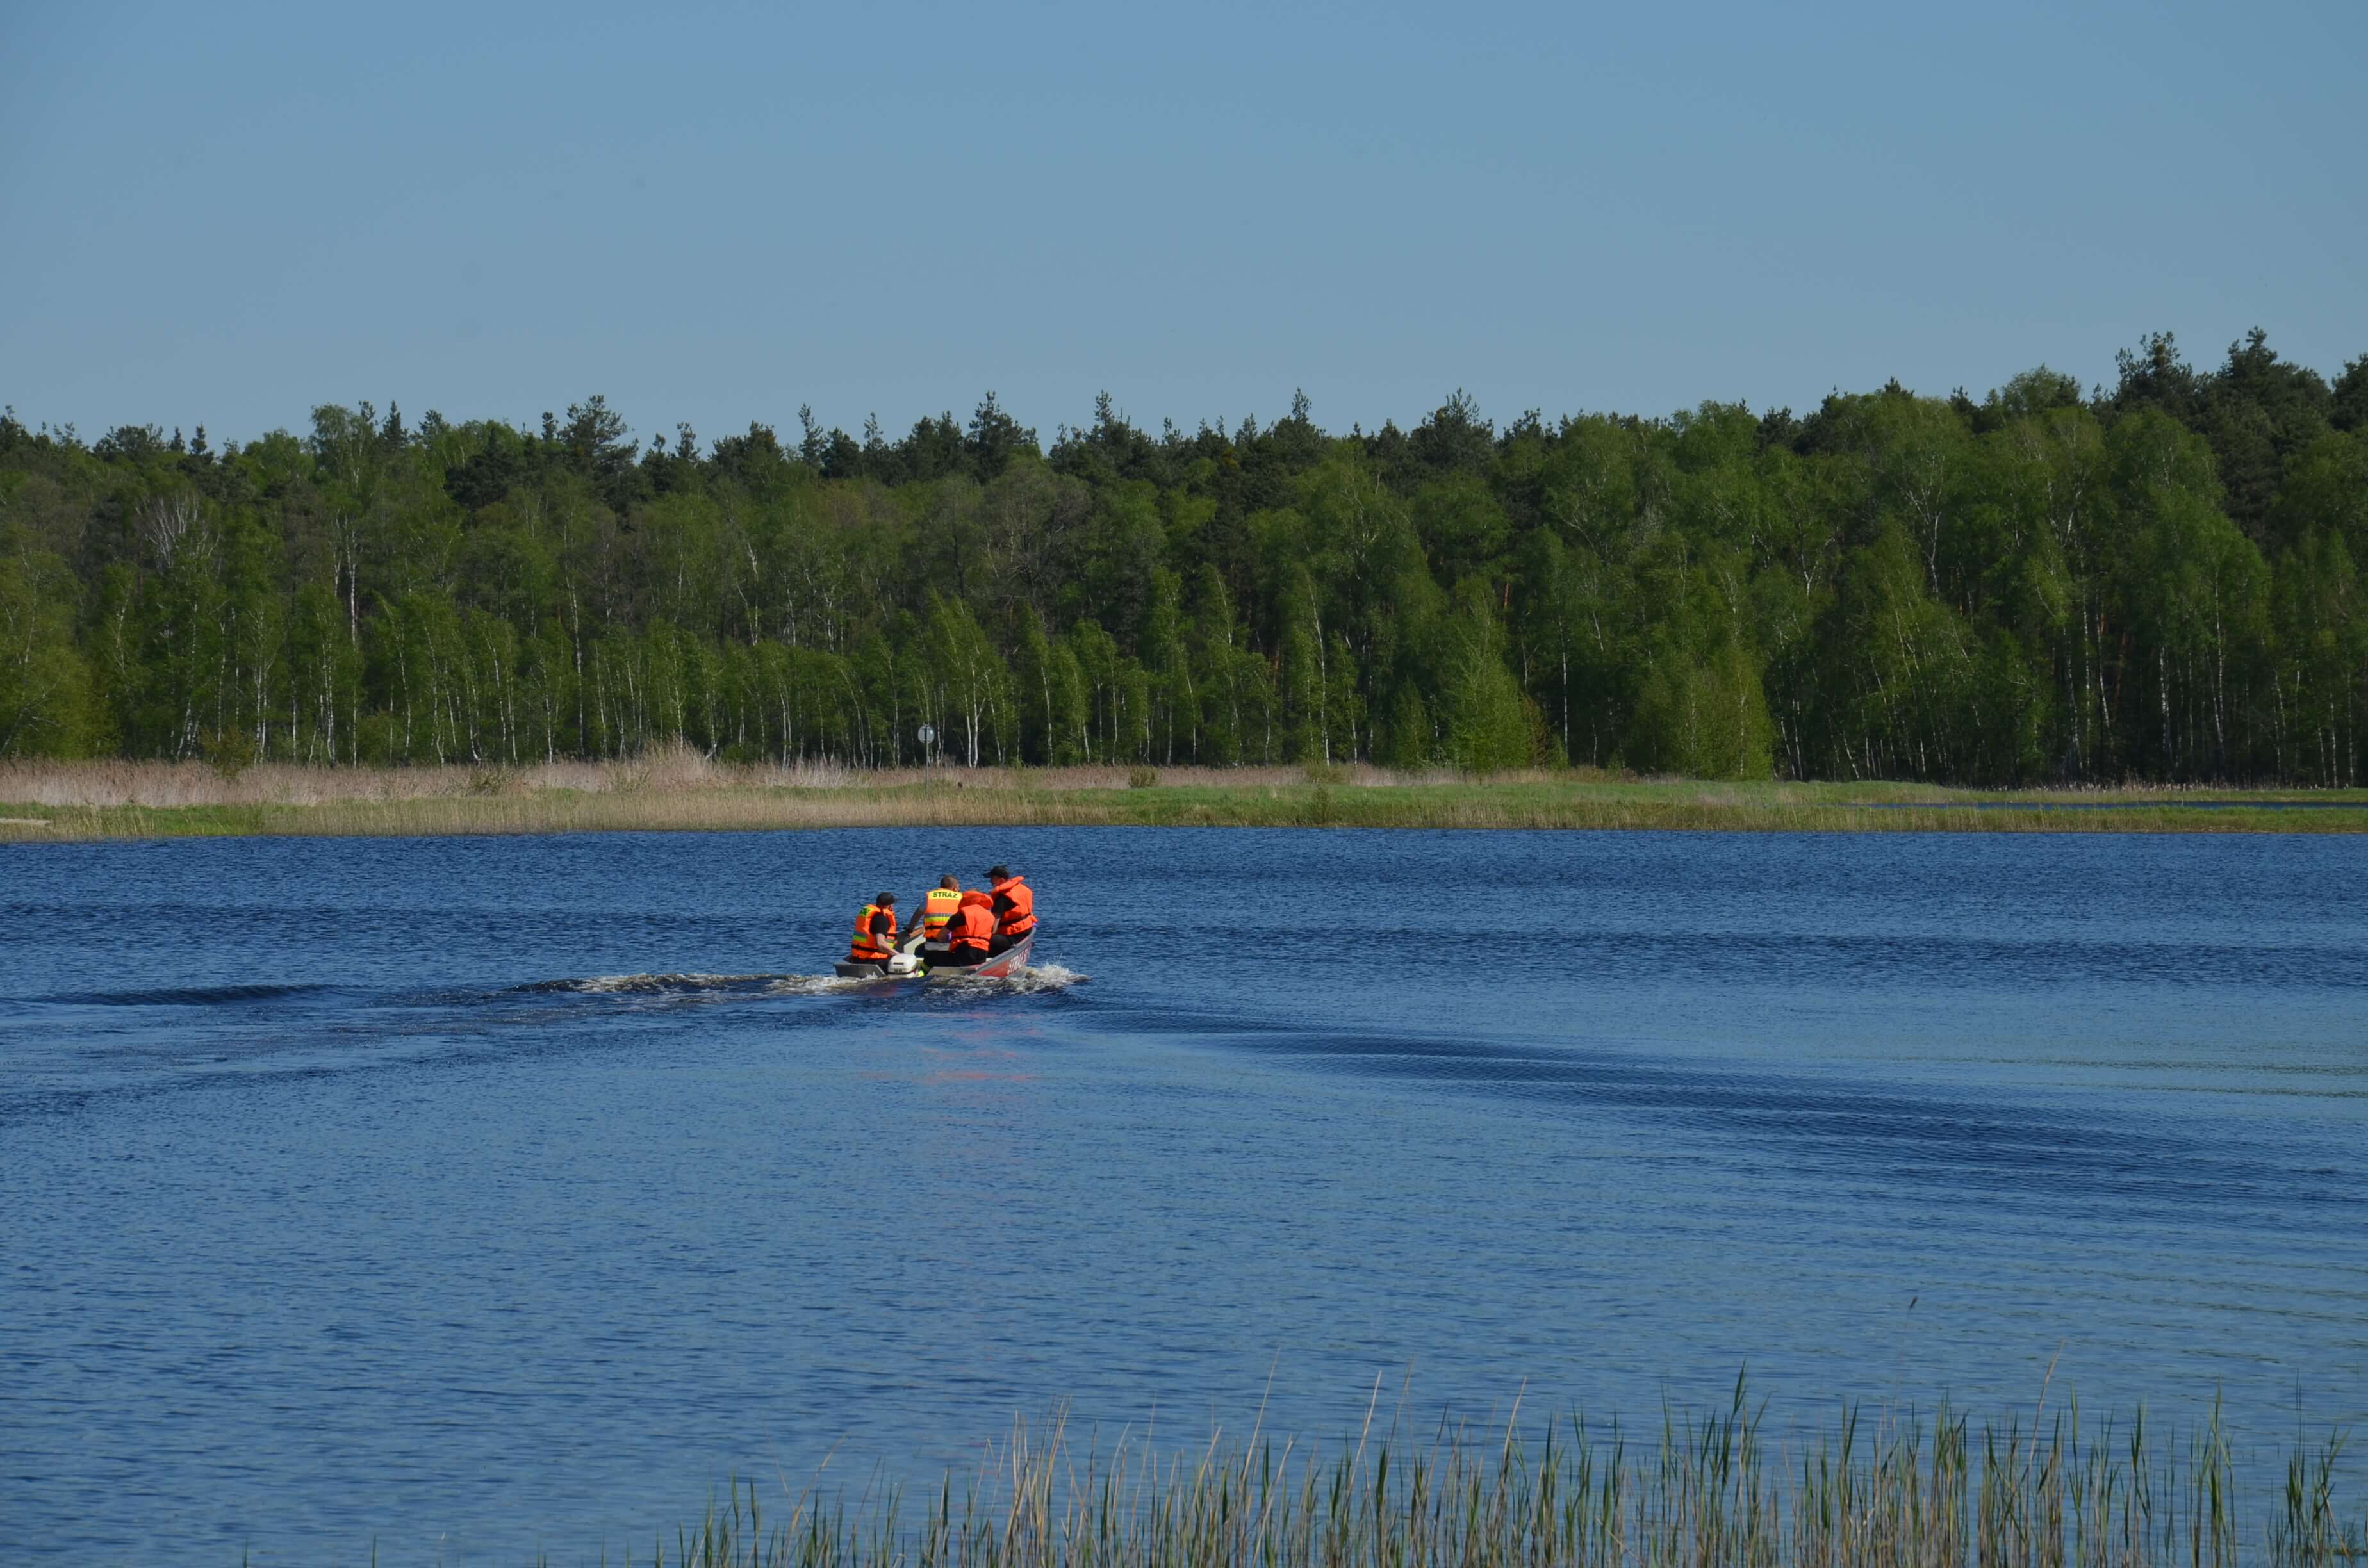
(2157,580)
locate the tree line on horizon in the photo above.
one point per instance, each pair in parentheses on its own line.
(2156,581)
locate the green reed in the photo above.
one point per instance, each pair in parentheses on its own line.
(1709,1492)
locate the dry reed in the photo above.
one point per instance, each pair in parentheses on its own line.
(679,790)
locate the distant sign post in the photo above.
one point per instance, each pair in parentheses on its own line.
(928,735)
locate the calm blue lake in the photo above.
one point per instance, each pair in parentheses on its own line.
(473,1197)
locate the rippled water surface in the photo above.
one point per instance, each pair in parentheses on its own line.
(470,1197)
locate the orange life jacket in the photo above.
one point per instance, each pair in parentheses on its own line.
(1017,902)
(941,905)
(869,947)
(973,924)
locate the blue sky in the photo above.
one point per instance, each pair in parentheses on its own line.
(717,214)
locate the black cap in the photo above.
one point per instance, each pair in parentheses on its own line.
(996,873)
(885,898)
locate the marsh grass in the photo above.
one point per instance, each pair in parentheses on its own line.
(679,790)
(1712,1491)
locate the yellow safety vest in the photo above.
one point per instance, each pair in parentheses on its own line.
(942,902)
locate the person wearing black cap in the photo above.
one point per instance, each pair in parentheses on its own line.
(874,940)
(1015,907)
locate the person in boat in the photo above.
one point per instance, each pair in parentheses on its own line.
(969,935)
(875,932)
(938,908)
(1014,905)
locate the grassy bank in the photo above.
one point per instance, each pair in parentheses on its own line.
(2041,1490)
(685,792)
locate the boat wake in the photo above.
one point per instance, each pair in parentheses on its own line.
(817,984)
(1037,977)
(182,997)
(656,985)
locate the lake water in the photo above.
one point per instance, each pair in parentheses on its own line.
(373,1191)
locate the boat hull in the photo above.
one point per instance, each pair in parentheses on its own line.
(1002,966)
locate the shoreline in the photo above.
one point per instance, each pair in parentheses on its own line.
(81,803)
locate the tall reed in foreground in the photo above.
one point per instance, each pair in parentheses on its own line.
(1707,1492)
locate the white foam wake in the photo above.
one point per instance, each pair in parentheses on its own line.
(1046,977)
(652,984)
(817,984)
